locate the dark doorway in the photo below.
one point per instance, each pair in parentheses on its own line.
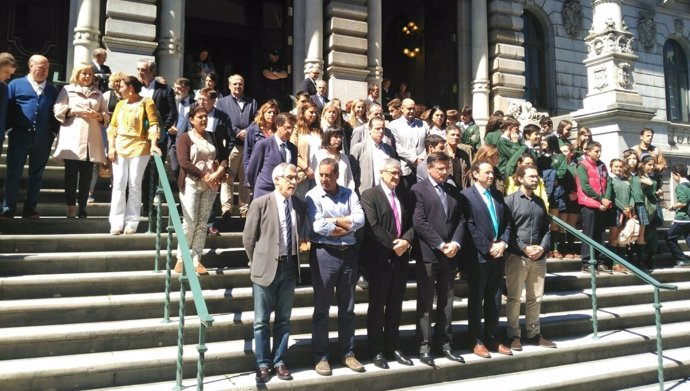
(36,27)
(432,74)
(238,35)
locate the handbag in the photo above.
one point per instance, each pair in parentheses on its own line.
(105,170)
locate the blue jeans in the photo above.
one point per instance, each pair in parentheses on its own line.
(675,232)
(277,297)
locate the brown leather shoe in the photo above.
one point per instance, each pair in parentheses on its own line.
(539,340)
(178,267)
(481,351)
(557,254)
(354,364)
(323,368)
(515,344)
(201,270)
(282,372)
(263,375)
(503,349)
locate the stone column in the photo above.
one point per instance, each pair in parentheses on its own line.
(613,110)
(374,38)
(299,42)
(171,34)
(480,64)
(87,36)
(313,30)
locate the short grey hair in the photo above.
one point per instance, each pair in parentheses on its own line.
(150,65)
(321,82)
(281,169)
(99,52)
(391,163)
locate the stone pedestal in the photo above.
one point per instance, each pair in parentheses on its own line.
(130,33)
(87,36)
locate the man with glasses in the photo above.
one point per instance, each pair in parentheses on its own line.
(309,83)
(439,227)
(270,152)
(368,156)
(181,87)
(274,229)
(335,214)
(409,133)
(387,242)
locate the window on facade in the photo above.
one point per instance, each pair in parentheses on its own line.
(676,75)
(536,89)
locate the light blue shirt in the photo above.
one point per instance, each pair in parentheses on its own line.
(322,205)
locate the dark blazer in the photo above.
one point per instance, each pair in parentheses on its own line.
(309,86)
(432,226)
(380,229)
(223,137)
(240,118)
(164,98)
(265,157)
(4,98)
(314,98)
(102,76)
(261,237)
(480,229)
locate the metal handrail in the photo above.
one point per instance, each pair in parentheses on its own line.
(637,272)
(206,320)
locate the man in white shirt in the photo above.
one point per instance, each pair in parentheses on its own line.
(409,133)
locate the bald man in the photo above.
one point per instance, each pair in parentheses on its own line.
(31,129)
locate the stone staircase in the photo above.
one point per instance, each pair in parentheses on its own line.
(81,309)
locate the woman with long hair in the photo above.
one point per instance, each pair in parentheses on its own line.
(332,117)
(200,174)
(437,121)
(358,113)
(584,135)
(307,137)
(81,110)
(331,147)
(132,138)
(263,127)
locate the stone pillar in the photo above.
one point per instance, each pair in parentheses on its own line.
(374,38)
(313,30)
(347,47)
(130,33)
(299,42)
(87,36)
(613,110)
(480,64)
(507,66)
(170,48)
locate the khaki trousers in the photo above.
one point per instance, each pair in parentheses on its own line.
(523,273)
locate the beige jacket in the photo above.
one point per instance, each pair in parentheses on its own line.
(79,135)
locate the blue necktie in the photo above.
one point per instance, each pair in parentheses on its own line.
(492,212)
(288,229)
(442,196)
(283,153)
(182,120)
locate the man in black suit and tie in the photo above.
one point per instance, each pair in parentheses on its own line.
(309,83)
(387,240)
(270,152)
(101,72)
(488,234)
(320,99)
(439,226)
(183,101)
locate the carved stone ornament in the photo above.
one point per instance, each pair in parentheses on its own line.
(600,78)
(679,25)
(524,112)
(572,17)
(646,28)
(625,77)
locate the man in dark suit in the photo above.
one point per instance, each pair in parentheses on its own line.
(7,67)
(320,99)
(241,110)
(439,228)
(183,101)
(275,227)
(368,156)
(270,152)
(101,72)
(387,240)
(31,127)
(309,83)
(488,234)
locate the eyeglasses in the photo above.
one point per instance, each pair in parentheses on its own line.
(290,178)
(393,173)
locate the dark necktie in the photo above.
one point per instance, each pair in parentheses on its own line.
(288,229)
(283,152)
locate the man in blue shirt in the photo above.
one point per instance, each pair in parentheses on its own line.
(334,214)
(31,129)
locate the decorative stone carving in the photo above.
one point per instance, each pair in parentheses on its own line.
(679,25)
(646,28)
(611,42)
(625,76)
(170,46)
(600,78)
(84,35)
(572,17)
(524,112)
(480,86)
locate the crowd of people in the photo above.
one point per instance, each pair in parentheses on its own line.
(358,188)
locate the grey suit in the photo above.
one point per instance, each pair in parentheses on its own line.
(361,159)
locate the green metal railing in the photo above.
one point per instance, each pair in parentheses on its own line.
(191,279)
(593,245)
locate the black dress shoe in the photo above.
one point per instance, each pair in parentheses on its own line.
(447,353)
(380,361)
(427,358)
(282,372)
(401,359)
(263,375)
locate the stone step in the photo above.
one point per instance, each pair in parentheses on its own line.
(103,242)
(74,338)
(230,365)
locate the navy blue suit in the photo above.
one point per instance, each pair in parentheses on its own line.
(240,118)
(3,112)
(485,271)
(33,128)
(265,157)
(434,270)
